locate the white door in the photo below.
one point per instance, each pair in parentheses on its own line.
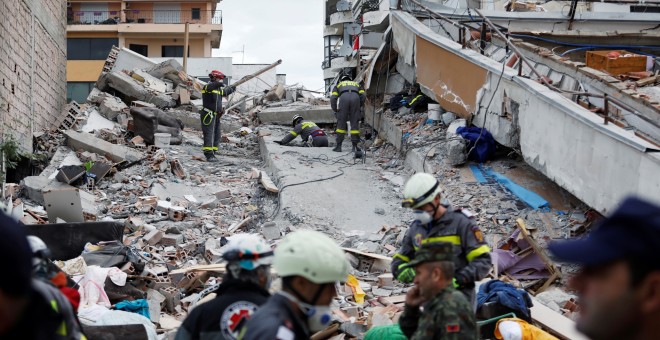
(167,13)
(93,12)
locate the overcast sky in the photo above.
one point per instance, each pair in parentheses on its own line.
(291,30)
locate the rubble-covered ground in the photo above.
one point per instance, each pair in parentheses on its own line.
(176,211)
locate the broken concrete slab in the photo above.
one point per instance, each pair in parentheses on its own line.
(169,69)
(456,151)
(270,231)
(276,93)
(283,115)
(116,153)
(96,121)
(34,186)
(132,90)
(111,107)
(150,81)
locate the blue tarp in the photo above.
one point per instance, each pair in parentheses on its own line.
(138,306)
(484,141)
(529,197)
(478,174)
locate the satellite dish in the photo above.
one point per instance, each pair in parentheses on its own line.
(343,6)
(353,29)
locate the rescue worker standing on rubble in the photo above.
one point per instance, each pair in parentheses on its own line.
(346,100)
(29,308)
(211,113)
(306,130)
(619,283)
(310,265)
(447,313)
(435,222)
(242,292)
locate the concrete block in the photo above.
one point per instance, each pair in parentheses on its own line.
(130,88)
(270,231)
(277,93)
(164,69)
(172,298)
(149,81)
(381,292)
(172,240)
(456,153)
(34,186)
(87,142)
(153,237)
(111,107)
(283,115)
(222,194)
(385,279)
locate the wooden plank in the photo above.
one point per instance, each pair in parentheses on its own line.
(547,283)
(395,299)
(371,255)
(647,81)
(219,267)
(234,227)
(520,223)
(557,324)
(268,183)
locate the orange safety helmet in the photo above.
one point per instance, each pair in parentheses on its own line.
(216,74)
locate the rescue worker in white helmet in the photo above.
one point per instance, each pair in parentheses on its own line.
(435,222)
(212,94)
(310,265)
(243,290)
(307,130)
(346,101)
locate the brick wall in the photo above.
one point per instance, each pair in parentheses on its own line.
(32,67)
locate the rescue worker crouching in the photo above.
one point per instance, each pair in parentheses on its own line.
(212,94)
(435,222)
(306,130)
(310,265)
(346,100)
(242,292)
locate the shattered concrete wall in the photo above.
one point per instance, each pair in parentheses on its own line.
(32,67)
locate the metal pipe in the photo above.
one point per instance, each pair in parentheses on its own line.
(606,108)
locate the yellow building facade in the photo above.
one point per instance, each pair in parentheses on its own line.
(152,28)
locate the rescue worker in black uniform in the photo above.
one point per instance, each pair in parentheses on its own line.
(306,130)
(310,265)
(435,222)
(351,97)
(212,94)
(30,308)
(242,292)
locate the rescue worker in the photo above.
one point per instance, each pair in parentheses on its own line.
(310,265)
(619,283)
(351,97)
(435,222)
(447,313)
(29,308)
(306,130)
(212,94)
(417,101)
(243,290)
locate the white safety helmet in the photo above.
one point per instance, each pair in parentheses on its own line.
(39,249)
(249,250)
(421,189)
(312,255)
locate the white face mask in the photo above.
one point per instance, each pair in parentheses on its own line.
(318,317)
(422,216)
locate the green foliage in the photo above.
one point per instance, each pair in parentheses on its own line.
(12,152)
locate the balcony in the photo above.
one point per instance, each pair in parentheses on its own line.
(144,17)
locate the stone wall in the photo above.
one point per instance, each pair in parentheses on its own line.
(32,67)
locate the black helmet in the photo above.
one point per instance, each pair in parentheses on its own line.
(296,118)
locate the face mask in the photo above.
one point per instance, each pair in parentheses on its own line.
(318,317)
(422,216)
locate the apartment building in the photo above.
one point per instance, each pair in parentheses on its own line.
(155,29)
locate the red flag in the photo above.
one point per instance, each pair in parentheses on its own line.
(356,42)
(453,328)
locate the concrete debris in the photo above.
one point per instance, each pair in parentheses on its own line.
(87,142)
(111,107)
(131,89)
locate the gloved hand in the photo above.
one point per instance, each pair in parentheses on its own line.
(459,281)
(406,275)
(455,283)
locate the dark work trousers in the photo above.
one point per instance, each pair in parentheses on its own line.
(320,141)
(349,110)
(211,131)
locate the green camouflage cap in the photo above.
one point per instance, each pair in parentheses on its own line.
(432,252)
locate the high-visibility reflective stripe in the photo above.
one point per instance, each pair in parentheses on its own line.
(340,131)
(348,83)
(293,133)
(207,148)
(53,304)
(453,239)
(355,132)
(61,330)
(220,92)
(215,148)
(335,93)
(308,124)
(477,252)
(361,91)
(419,96)
(402,257)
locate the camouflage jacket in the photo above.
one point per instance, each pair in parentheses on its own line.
(447,316)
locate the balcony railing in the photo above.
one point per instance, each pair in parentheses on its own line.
(144,17)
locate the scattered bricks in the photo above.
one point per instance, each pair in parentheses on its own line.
(172,298)
(133,223)
(381,292)
(209,203)
(177,168)
(385,279)
(270,231)
(177,214)
(146,201)
(129,268)
(161,281)
(222,194)
(172,240)
(153,237)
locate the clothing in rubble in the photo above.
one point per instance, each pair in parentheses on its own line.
(447,316)
(506,295)
(212,94)
(223,317)
(306,129)
(275,320)
(471,253)
(346,100)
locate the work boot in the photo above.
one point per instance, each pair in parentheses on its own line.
(211,158)
(340,139)
(356,150)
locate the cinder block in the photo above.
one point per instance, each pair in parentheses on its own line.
(172,240)
(153,237)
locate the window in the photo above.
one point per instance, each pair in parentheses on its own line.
(89,48)
(196,14)
(172,51)
(78,91)
(141,49)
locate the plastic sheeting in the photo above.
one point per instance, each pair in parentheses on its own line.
(91,286)
(137,306)
(67,240)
